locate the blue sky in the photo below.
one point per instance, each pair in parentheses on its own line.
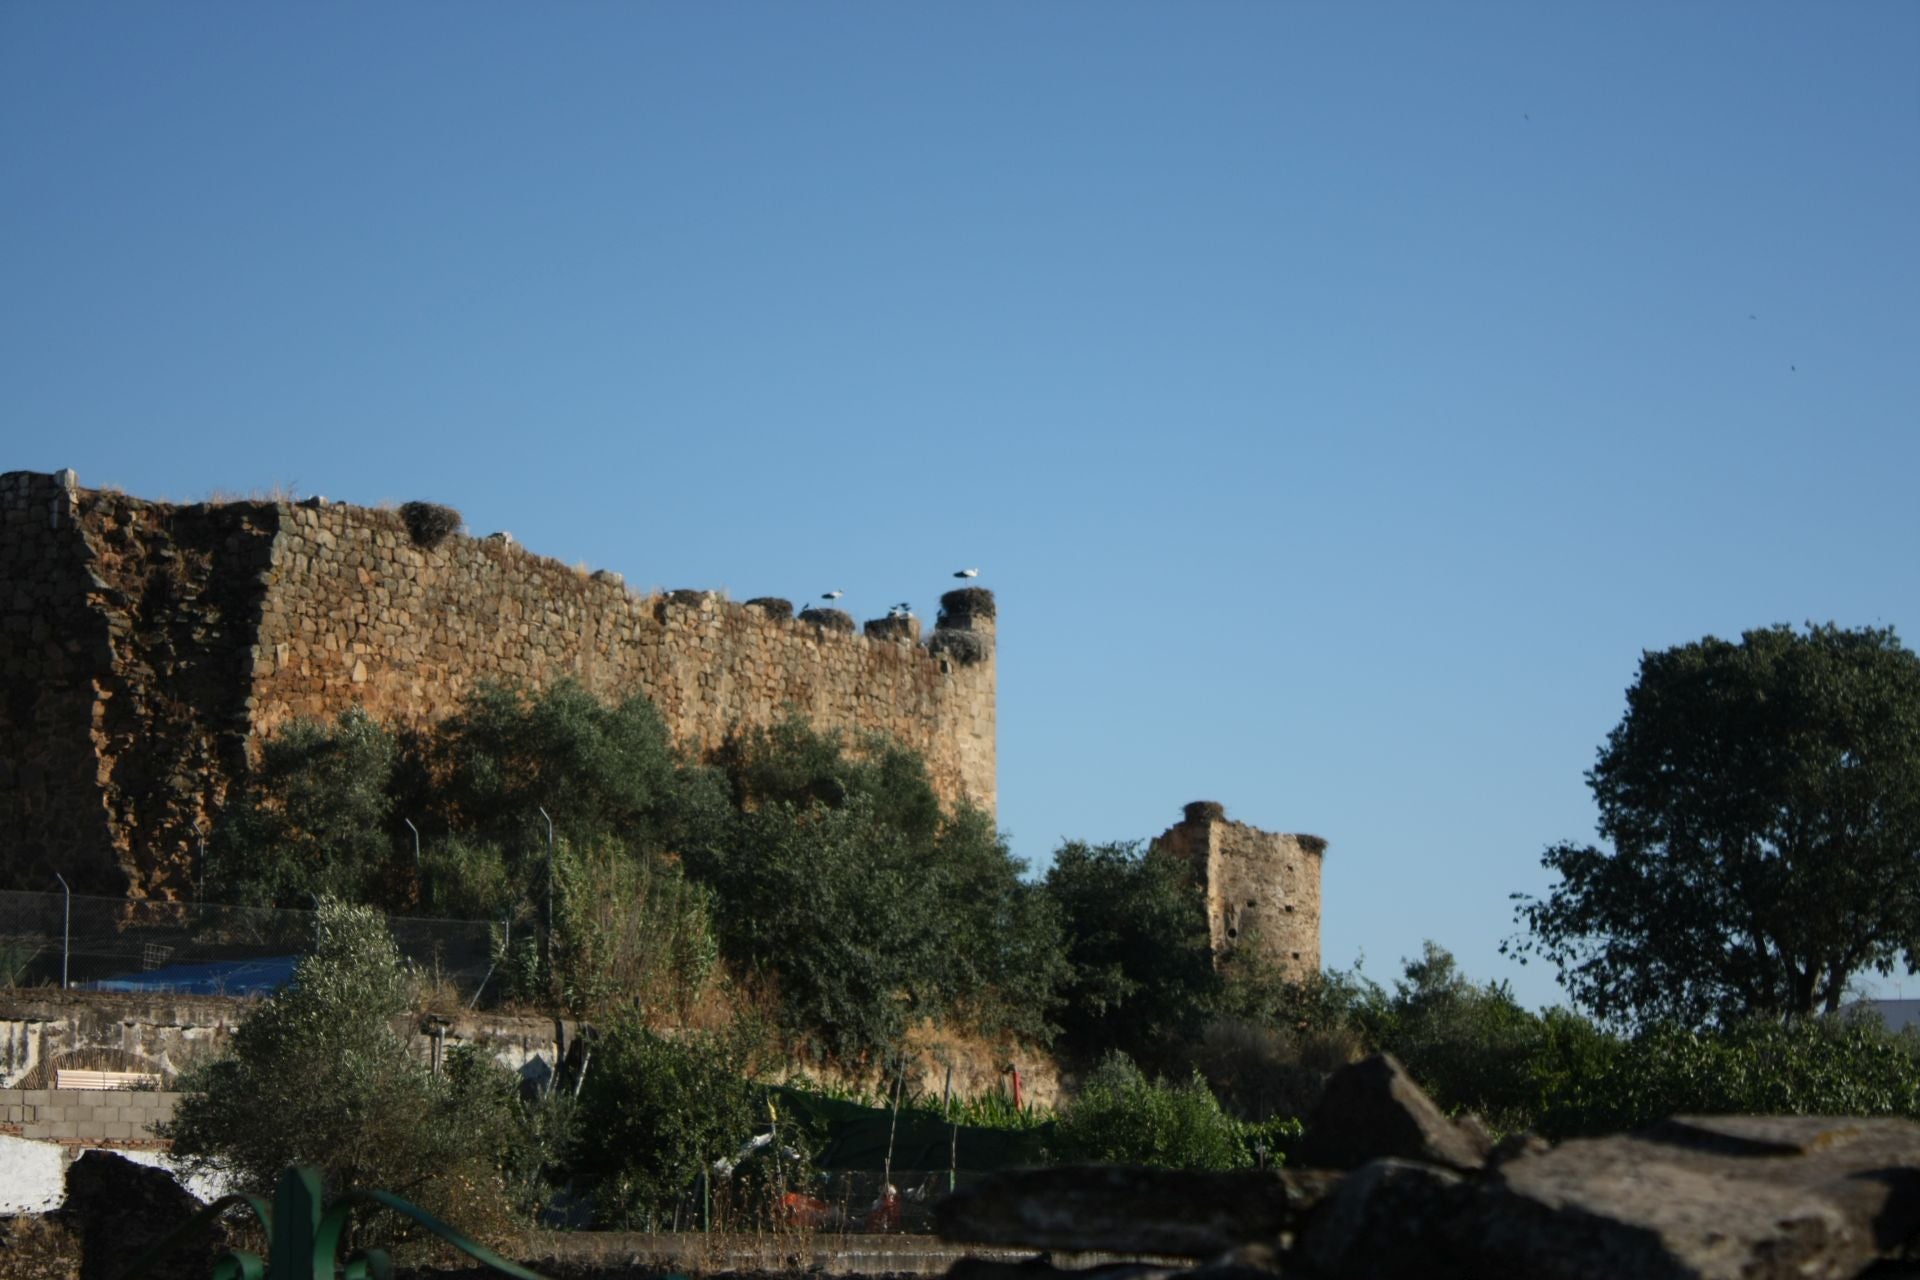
(1339,398)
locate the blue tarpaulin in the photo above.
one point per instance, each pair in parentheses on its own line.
(260,976)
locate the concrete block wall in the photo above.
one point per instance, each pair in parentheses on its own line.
(85,1115)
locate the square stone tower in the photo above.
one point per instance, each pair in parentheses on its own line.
(1262,887)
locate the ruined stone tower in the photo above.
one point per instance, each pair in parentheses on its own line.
(145,647)
(1262,888)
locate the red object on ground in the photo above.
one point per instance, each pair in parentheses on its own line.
(798,1209)
(885,1213)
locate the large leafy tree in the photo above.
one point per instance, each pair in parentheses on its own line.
(1142,979)
(315,818)
(1763,804)
(838,879)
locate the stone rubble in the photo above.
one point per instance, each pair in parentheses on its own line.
(1404,1193)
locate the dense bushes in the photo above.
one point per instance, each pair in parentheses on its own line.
(823,872)
(1122,1117)
(653,1114)
(1558,1073)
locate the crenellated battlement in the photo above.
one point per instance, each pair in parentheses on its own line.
(146,646)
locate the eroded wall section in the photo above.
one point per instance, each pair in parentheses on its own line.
(1262,887)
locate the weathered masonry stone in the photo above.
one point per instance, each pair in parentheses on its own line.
(146,647)
(1262,888)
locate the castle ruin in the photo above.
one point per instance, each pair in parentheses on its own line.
(1262,888)
(146,647)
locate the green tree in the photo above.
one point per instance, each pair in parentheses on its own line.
(1470,1045)
(1122,1117)
(653,1114)
(314,818)
(317,1076)
(1141,963)
(1763,804)
(597,769)
(838,880)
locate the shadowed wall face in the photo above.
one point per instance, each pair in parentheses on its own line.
(144,646)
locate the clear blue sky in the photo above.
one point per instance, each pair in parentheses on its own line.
(1338,397)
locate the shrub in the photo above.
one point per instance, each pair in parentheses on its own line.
(1759,1066)
(598,770)
(317,1076)
(655,1113)
(628,932)
(1121,1117)
(313,819)
(1262,1072)
(1469,1045)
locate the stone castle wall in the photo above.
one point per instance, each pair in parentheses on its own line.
(1262,887)
(145,646)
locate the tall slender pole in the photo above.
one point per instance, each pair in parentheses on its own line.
(66,929)
(416,854)
(549,818)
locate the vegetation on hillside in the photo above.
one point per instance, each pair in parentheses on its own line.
(807,893)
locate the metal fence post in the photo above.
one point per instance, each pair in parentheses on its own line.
(549,818)
(66,929)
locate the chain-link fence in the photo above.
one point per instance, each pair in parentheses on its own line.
(121,944)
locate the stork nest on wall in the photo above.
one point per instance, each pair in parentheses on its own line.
(961,646)
(891,627)
(966,602)
(1205,811)
(688,596)
(829,619)
(772,606)
(429,523)
(1313,844)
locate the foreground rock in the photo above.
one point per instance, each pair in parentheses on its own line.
(1421,1196)
(120,1209)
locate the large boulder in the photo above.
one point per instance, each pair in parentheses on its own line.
(1372,1110)
(120,1209)
(1753,1197)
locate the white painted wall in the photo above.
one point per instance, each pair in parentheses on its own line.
(33,1175)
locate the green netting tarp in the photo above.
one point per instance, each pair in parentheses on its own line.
(856,1138)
